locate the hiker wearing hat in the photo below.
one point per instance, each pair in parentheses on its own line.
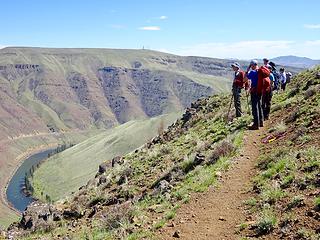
(265,61)
(238,83)
(252,75)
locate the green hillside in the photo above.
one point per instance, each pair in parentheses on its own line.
(64,173)
(141,192)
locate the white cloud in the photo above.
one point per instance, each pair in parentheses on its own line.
(252,49)
(150,28)
(313,43)
(163,17)
(312,26)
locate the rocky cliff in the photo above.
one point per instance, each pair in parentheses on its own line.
(50,90)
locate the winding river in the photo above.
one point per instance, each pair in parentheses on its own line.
(15,195)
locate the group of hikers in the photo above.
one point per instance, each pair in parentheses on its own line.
(261,82)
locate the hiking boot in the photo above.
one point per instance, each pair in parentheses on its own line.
(266,118)
(261,124)
(253,127)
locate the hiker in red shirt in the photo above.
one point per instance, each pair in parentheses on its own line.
(264,88)
(238,83)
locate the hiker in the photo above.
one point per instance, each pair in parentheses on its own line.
(272,77)
(276,76)
(288,77)
(252,75)
(237,85)
(283,79)
(265,62)
(267,93)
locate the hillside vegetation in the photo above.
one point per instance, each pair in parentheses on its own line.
(52,96)
(143,189)
(75,166)
(134,195)
(286,190)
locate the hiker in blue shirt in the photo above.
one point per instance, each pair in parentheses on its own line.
(272,78)
(252,75)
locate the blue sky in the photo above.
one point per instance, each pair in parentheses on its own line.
(226,29)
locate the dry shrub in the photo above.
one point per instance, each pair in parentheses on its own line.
(222,149)
(309,93)
(116,215)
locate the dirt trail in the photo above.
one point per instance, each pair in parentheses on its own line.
(216,213)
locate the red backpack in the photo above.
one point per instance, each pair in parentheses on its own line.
(239,79)
(264,84)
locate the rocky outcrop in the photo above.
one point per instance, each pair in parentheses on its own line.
(76,88)
(37,217)
(155,91)
(35,67)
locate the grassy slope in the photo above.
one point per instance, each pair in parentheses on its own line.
(205,133)
(15,151)
(285,193)
(75,166)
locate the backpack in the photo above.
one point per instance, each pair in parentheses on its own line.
(265,72)
(239,79)
(276,76)
(264,84)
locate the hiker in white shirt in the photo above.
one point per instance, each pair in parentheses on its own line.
(283,79)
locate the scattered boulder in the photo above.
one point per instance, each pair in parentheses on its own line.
(103,167)
(102,180)
(39,216)
(118,160)
(136,64)
(163,187)
(317,180)
(73,213)
(188,114)
(124,175)
(198,159)
(176,234)
(93,212)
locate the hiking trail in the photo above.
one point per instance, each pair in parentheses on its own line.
(217,213)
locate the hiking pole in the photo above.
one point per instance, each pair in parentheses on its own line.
(227,118)
(247,95)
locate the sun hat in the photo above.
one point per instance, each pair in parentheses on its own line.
(253,62)
(235,64)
